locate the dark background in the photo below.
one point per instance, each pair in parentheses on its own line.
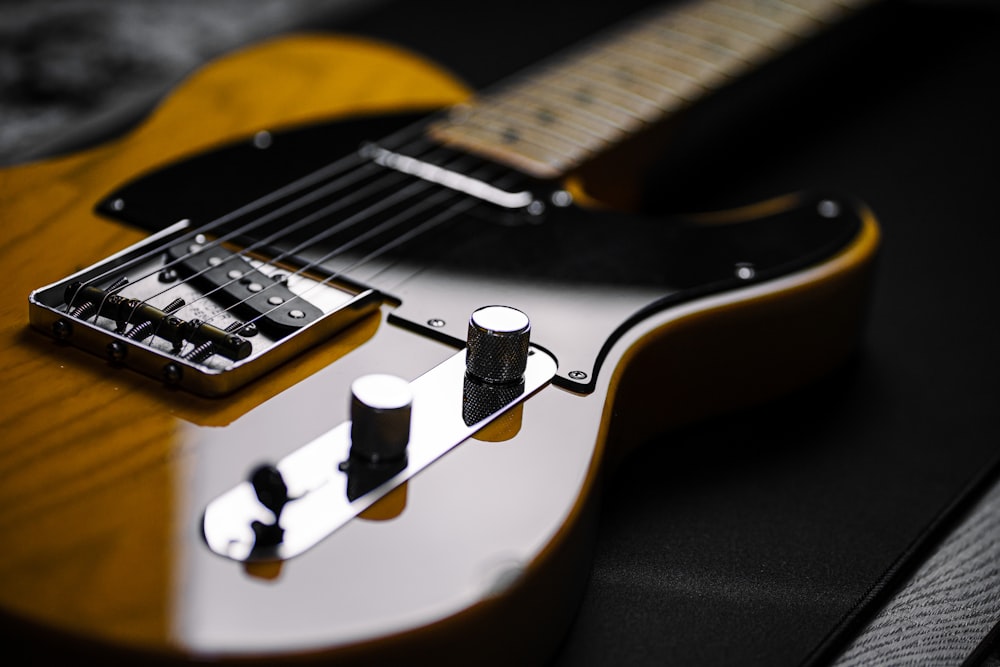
(768,537)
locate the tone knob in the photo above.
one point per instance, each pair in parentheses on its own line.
(380,418)
(497,344)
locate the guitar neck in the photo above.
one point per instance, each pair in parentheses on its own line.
(564,113)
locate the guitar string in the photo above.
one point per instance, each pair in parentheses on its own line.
(329,170)
(329,189)
(415,189)
(398,197)
(596,41)
(440,197)
(308,180)
(426,203)
(387,179)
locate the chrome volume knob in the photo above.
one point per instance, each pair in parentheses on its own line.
(380,418)
(497,344)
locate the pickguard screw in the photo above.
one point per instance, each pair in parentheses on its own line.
(262,139)
(62,329)
(577,375)
(118,204)
(828,208)
(167,276)
(561,198)
(436,323)
(248,330)
(745,271)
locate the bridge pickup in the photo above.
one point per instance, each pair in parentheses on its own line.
(255,295)
(171,311)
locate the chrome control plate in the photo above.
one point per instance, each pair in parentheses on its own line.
(322,495)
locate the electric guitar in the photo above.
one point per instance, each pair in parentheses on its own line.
(333,374)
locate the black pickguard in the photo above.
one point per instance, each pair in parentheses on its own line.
(582,276)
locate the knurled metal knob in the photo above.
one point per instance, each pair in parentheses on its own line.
(380,418)
(497,344)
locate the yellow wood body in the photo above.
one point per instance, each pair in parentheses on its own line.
(88,449)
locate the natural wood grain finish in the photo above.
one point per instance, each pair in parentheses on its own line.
(95,447)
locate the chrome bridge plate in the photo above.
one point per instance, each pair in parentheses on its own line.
(323,493)
(138,309)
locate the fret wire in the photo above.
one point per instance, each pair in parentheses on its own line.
(772,7)
(629,78)
(611,118)
(672,49)
(584,119)
(717,17)
(472,126)
(676,62)
(661,95)
(697,36)
(824,10)
(512,130)
(745,16)
(485,142)
(707,77)
(556,81)
(679,87)
(523,107)
(737,60)
(699,32)
(601,91)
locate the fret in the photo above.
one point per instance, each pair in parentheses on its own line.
(532,159)
(611,119)
(621,68)
(739,22)
(554,120)
(731,58)
(590,91)
(827,11)
(675,88)
(781,10)
(551,110)
(580,129)
(707,42)
(514,126)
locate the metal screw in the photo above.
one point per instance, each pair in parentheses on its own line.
(828,208)
(745,270)
(436,323)
(167,276)
(262,139)
(117,351)
(117,204)
(561,198)
(172,373)
(62,329)
(577,375)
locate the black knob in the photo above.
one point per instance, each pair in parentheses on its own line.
(498,344)
(380,418)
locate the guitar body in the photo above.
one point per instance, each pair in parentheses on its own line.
(479,559)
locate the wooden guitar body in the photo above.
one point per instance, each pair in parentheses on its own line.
(480,559)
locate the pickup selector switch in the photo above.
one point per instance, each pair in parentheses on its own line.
(380,418)
(497,344)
